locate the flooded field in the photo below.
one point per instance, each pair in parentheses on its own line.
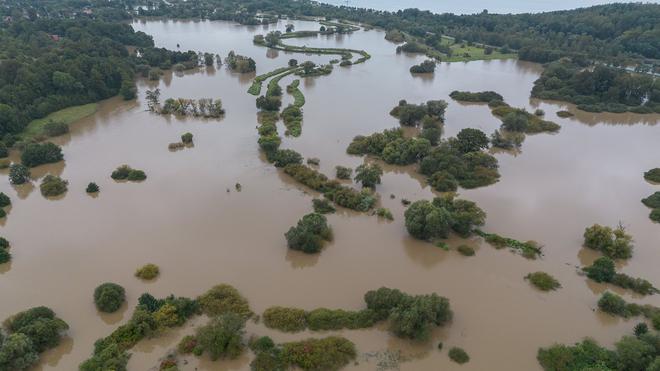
(188,218)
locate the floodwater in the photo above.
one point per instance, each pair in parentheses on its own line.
(474,6)
(188,218)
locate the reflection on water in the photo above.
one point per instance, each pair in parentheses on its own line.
(184,220)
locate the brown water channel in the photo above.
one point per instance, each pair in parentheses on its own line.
(183,219)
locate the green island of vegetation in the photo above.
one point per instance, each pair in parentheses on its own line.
(528,249)
(42,128)
(516,122)
(613,243)
(615,305)
(638,352)
(5,255)
(308,235)
(603,270)
(52,186)
(28,334)
(109,296)
(147,272)
(653,201)
(410,317)
(543,281)
(125,172)
(426,220)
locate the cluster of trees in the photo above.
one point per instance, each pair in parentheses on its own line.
(477,97)
(411,317)
(333,190)
(330,353)
(603,270)
(613,243)
(615,305)
(412,114)
(69,62)
(5,255)
(125,172)
(203,107)
(391,146)
(240,63)
(638,352)
(543,281)
(528,249)
(109,296)
(320,319)
(35,154)
(150,316)
(653,201)
(428,66)
(368,174)
(518,120)
(29,333)
(292,117)
(309,234)
(598,88)
(52,185)
(427,220)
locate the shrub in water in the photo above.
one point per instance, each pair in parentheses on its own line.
(4,200)
(285,319)
(53,186)
(223,336)
(36,154)
(614,243)
(18,174)
(92,188)
(653,175)
(222,299)
(543,281)
(187,138)
(465,250)
(147,272)
(322,206)
(108,297)
(308,235)
(343,172)
(458,355)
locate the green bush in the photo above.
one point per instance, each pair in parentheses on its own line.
(187,138)
(224,299)
(269,143)
(52,185)
(564,114)
(223,336)
(269,103)
(36,154)
(284,157)
(415,320)
(109,297)
(5,256)
(330,353)
(368,174)
(147,272)
(17,353)
(480,97)
(92,188)
(55,128)
(652,201)
(308,235)
(613,304)
(602,270)
(613,243)
(426,220)
(543,281)
(285,319)
(125,172)
(384,213)
(471,170)
(322,206)
(465,250)
(187,344)
(442,181)
(471,140)
(40,325)
(653,175)
(4,200)
(458,355)
(19,174)
(655,215)
(343,172)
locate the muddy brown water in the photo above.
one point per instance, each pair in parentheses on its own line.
(183,219)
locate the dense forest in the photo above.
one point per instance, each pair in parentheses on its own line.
(49,64)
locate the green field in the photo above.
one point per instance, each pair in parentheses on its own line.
(67,116)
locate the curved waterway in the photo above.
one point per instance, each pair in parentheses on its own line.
(188,218)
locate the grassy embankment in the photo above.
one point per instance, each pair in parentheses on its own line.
(69,115)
